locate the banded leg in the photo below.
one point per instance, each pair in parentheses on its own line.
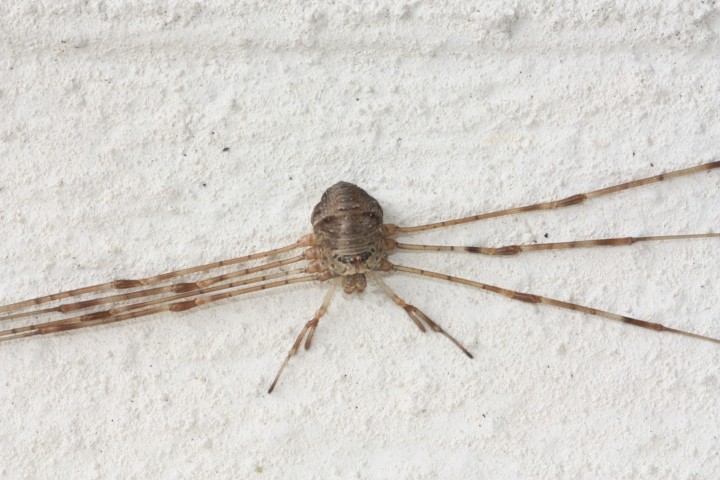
(391,229)
(415,314)
(531,298)
(515,249)
(305,241)
(308,329)
(139,309)
(174,288)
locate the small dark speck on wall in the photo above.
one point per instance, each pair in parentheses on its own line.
(226,149)
(546,235)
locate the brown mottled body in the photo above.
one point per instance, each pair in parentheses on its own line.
(349,236)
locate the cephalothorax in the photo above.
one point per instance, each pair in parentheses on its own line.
(349,245)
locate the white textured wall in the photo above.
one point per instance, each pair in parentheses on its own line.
(113,120)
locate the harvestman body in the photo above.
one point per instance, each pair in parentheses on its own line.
(350,243)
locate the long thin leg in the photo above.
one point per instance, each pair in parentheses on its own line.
(391,229)
(531,298)
(308,329)
(174,288)
(415,314)
(515,249)
(111,316)
(137,306)
(306,240)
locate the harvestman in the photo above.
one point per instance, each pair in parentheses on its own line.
(349,243)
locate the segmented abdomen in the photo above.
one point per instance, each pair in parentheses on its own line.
(348,221)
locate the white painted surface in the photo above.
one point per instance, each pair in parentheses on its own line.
(114,120)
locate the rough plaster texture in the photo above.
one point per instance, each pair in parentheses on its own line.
(115,122)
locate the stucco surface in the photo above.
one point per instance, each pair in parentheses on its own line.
(142,137)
